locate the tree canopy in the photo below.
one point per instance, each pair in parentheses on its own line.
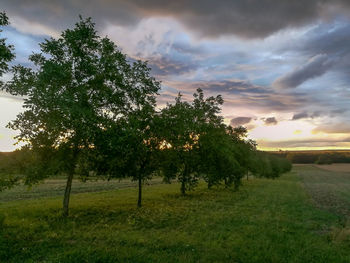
(183,123)
(6,56)
(6,51)
(81,86)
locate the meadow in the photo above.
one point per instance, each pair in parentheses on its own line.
(340,167)
(288,219)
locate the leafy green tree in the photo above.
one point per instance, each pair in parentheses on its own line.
(182,125)
(324,159)
(80,86)
(6,51)
(218,155)
(225,154)
(6,55)
(269,166)
(245,147)
(132,148)
(143,148)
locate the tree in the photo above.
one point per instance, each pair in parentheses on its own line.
(245,147)
(218,158)
(269,166)
(6,55)
(225,155)
(6,51)
(182,124)
(324,159)
(143,159)
(132,149)
(81,86)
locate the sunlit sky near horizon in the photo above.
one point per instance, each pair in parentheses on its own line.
(282,67)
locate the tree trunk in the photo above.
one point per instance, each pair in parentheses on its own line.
(183,187)
(247,175)
(209,185)
(183,180)
(67,193)
(140,192)
(69,183)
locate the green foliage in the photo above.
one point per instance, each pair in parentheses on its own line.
(308,157)
(324,159)
(220,158)
(81,85)
(6,51)
(6,56)
(2,220)
(198,145)
(269,166)
(130,148)
(181,126)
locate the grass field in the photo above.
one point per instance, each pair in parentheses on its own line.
(329,190)
(56,187)
(281,220)
(339,167)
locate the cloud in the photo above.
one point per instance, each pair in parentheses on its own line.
(248,19)
(314,67)
(217,46)
(317,114)
(238,121)
(165,65)
(270,121)
(301,115)
(330,40)
(235,86)
(326,42)
(332,128)
(308,142)
(242,94)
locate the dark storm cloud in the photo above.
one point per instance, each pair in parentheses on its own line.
(249,19)
(238,121)
(315,67)
(270,121)
(58,15)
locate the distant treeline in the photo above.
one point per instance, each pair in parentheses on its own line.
(316,157)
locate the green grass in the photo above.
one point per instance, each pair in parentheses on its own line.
(329,190)
(55,187)
(265,221)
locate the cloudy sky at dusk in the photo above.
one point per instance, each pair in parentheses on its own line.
(282,67)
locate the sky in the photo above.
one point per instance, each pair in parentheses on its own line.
(282,67)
